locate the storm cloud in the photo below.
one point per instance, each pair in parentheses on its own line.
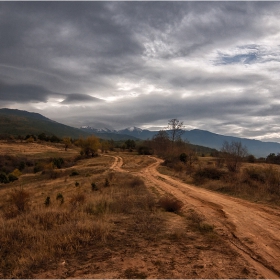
(213,65)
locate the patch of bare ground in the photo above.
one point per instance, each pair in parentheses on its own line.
(96,219)
(248,228)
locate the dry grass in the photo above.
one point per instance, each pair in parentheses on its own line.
(92,231)
(133,162)
(34,237)
(259,182)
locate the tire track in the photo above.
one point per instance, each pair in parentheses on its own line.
(251,229)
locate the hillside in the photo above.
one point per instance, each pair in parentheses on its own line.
(17,122)
(215,141)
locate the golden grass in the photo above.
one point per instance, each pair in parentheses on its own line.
(258,182)
(122,218)
(35,235)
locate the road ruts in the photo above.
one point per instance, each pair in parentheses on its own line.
(251,229)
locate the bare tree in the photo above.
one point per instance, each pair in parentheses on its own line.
(233,154)
(175,128)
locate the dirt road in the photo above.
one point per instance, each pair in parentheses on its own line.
(252,230)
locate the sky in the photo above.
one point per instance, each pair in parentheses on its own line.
(213,65)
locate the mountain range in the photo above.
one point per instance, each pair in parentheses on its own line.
(198,137)
(17,122)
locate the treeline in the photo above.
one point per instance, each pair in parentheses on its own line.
(104,145)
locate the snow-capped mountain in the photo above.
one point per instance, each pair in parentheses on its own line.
(98,130)
(132,132)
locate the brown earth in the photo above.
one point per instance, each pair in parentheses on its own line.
(249,229)
(245,242)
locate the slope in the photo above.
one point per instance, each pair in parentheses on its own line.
(17,122)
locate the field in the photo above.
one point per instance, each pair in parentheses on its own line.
(116,216)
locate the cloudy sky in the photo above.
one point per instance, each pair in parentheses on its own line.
(212,65)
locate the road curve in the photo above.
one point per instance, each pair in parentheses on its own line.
(251,229)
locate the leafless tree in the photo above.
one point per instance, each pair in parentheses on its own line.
(175,128)
(233,154)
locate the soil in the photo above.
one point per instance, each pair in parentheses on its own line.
(246,243)
(250,229)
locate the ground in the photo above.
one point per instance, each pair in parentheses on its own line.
(213,236)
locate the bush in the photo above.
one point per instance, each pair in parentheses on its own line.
(106,183)
(94,187)
(12,177)
(170,203)
(38,167)
(74,173)
(183,157)
(58,162)
(208,173)
(136,182)
(143,150)
(4,178)
(20,198)
(60,198)
(47,201)
(256,174)
(77,199)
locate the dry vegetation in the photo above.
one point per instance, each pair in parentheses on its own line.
(258,182)
(84,220)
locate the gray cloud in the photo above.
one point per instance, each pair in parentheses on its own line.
(214,65)
(79,98)
(23,93)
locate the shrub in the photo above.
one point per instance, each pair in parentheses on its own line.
(143,150)
(21,165)
(12,177)
(38,167)
(77,199)
(74,173)
(47,201)
(197,222)
(134,273)
(94,187)
(136,182)
(183,157)
(208,173)
(4,178)
(256,174)
(170,203)
(107,183)
(60,198)
(20,198)
(58,162)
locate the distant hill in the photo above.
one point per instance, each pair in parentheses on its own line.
(17,122)
(213,140)
(206,139)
